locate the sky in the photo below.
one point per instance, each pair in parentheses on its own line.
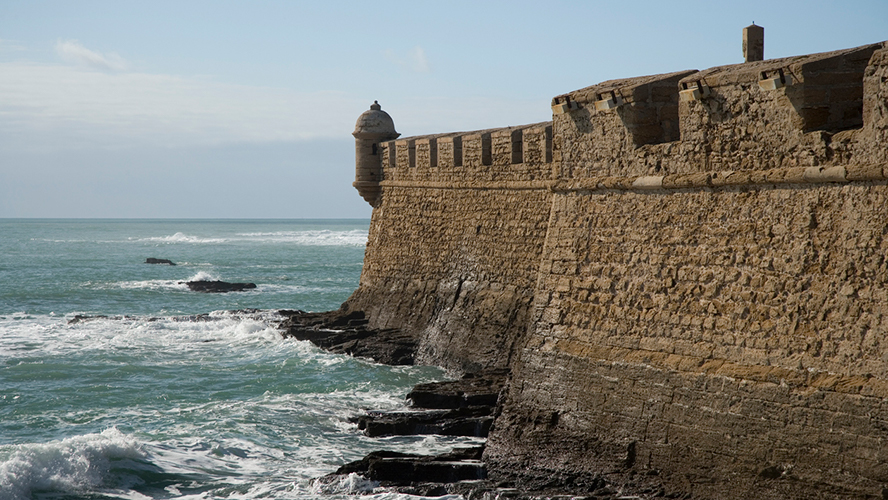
(224,109)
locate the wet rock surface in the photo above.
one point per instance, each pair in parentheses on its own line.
(349,334)
(401,469)
(471,421)
(464,407)
(152,260)
(217,286)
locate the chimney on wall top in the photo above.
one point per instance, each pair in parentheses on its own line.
(753,43)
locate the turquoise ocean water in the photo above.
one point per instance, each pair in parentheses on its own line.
(173,395)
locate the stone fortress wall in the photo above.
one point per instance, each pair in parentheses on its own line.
(455,242)
(687,274)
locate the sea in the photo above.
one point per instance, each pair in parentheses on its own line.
(117,381)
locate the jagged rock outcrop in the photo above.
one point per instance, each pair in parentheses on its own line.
(348,333)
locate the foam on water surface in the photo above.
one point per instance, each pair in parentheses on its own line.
(79,464)
(215,406)
(355,237)
(159,392)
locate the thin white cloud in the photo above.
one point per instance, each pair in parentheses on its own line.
(58,106)
(414,60)
(418,60)
(78,107)
(74,52)
(11,46)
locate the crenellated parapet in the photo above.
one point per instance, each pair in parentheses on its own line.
(511,154)
(774,113)
(779,113)
(600,128)
(868,145)
(815,110)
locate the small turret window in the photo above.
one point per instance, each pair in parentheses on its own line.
(373,152)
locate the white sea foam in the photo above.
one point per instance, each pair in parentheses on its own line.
(156,284)
(149,285)
(203,276)
(355,237)
(182,238)
(272,288)
(52,335)
(324,237)
(79,463)
(351,484)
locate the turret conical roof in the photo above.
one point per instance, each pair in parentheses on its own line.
(375,123)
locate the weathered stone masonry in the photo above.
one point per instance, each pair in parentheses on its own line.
(687,273)
(455,241)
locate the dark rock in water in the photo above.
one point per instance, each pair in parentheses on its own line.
(348,334)
(79,318)
(217,286)
(401,469)
(152,260)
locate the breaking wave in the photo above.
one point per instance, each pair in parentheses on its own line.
(110,460)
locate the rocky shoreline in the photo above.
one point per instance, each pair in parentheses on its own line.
(464,407)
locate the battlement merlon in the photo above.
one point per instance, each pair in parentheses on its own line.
(779,113)
(496,147)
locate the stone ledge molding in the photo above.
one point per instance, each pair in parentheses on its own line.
(777,176)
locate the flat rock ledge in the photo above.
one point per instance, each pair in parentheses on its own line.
(472,421)
(464,407)
(424,475)
(348,334)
